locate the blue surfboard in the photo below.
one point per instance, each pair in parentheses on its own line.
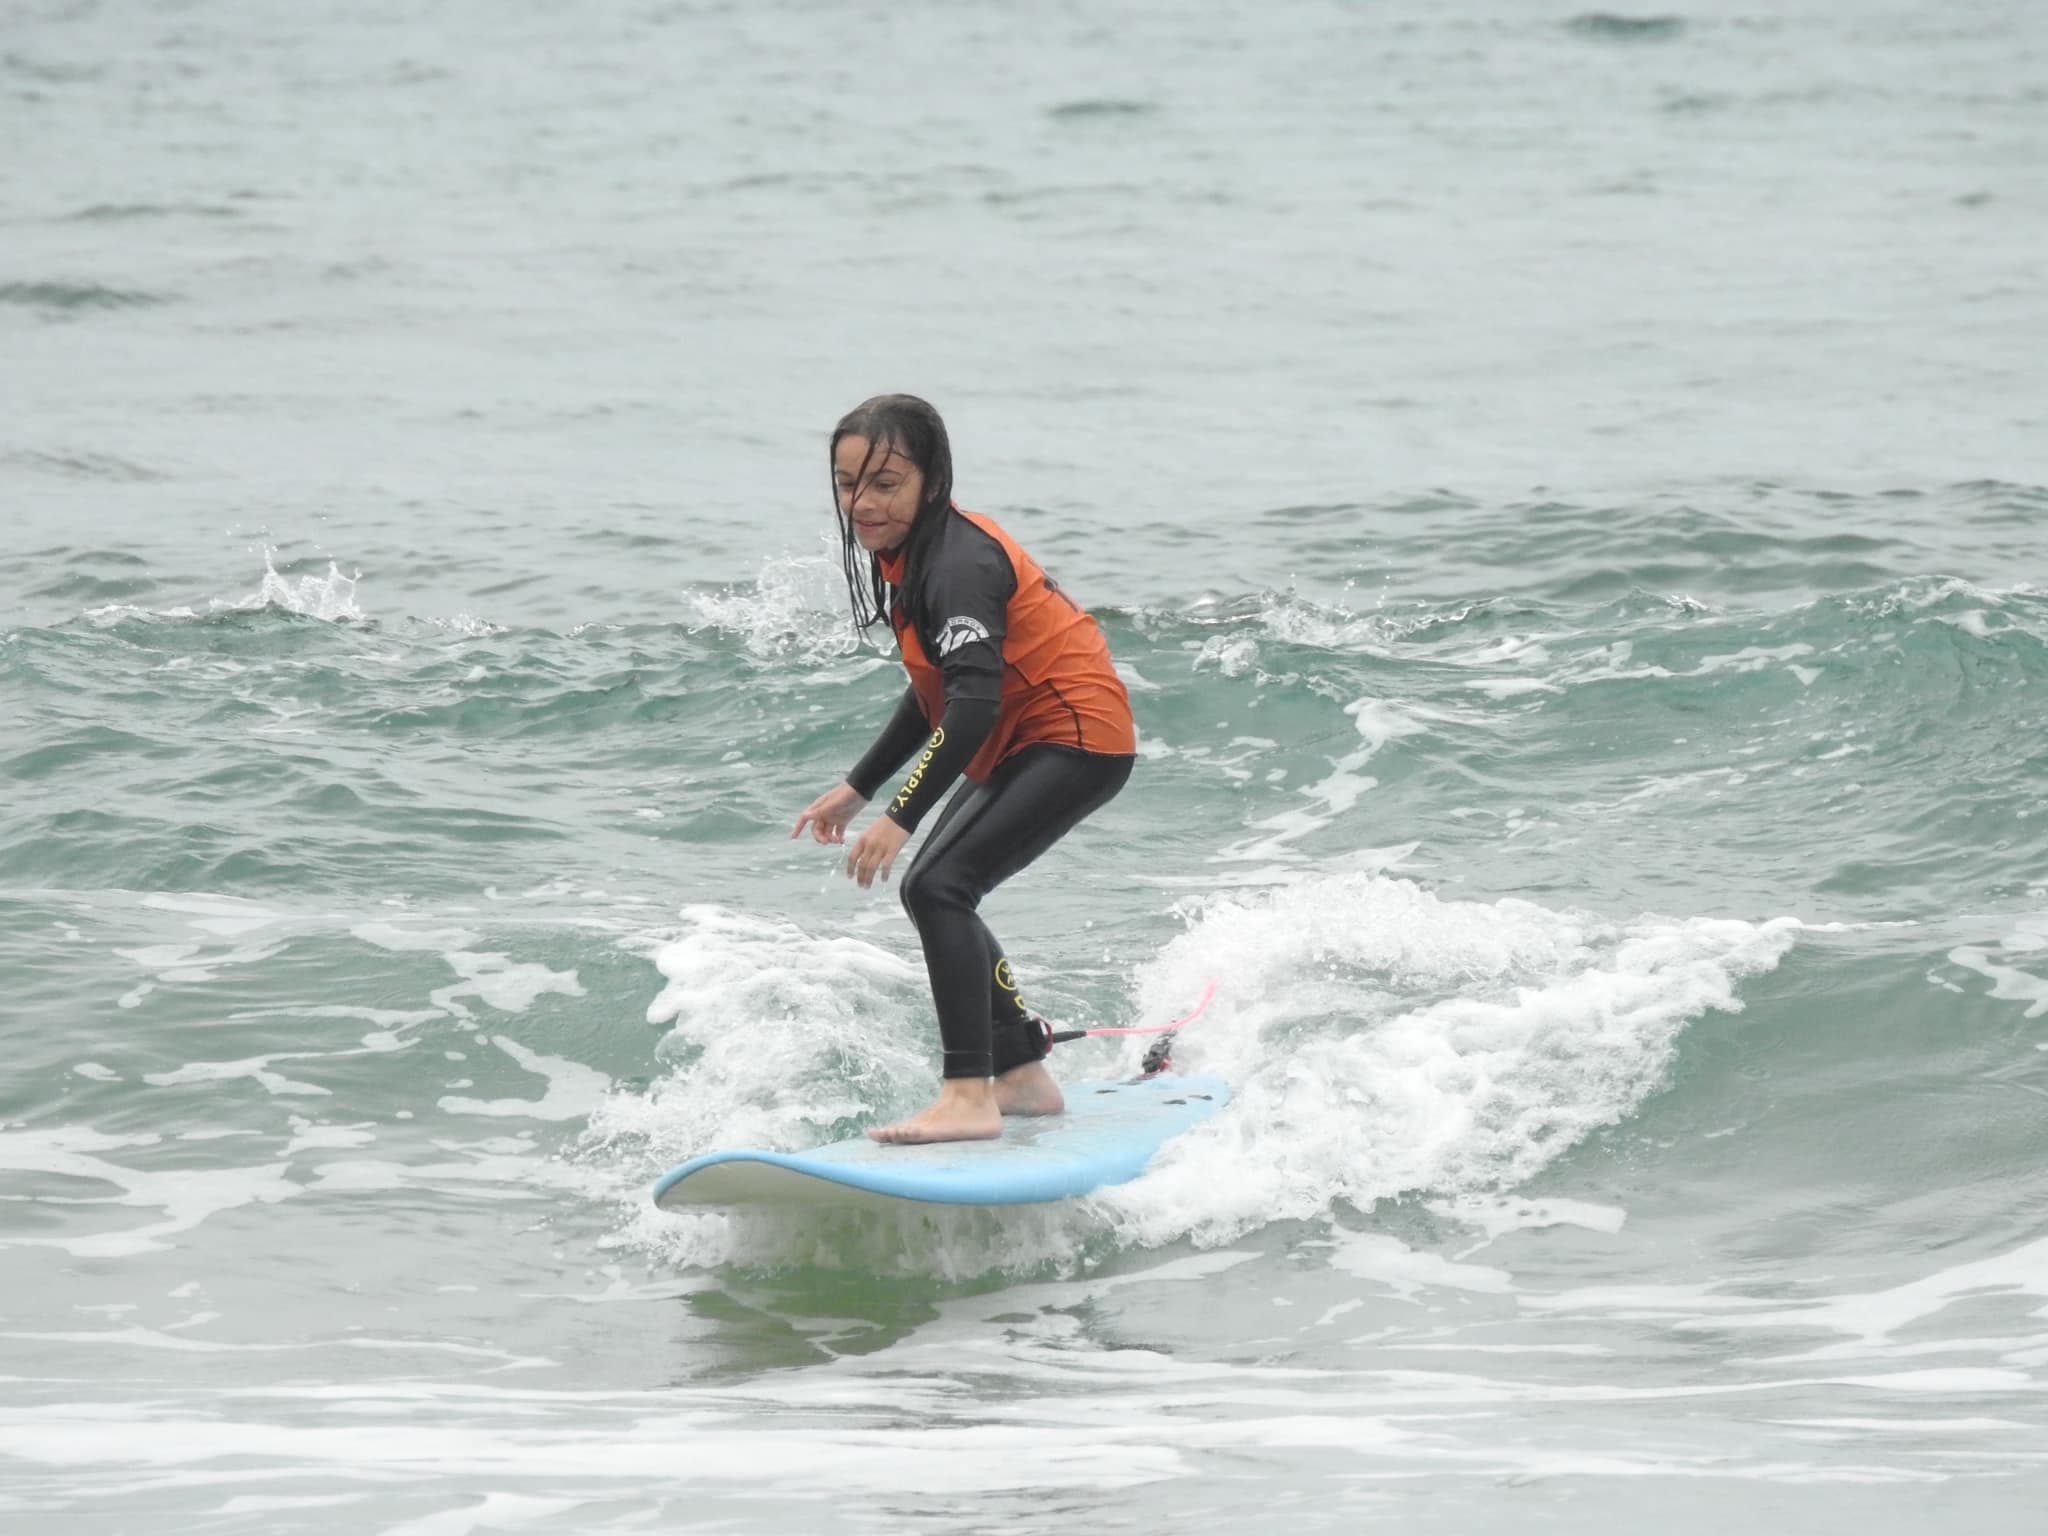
(1107,1135)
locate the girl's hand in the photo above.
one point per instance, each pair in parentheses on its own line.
(829,814)
(875,850)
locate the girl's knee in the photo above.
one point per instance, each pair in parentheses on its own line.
(916,894)
(926,892)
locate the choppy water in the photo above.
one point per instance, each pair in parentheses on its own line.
(1567,490)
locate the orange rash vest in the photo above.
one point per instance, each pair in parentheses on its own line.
(974,586)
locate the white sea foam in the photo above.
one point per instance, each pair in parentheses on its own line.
(492,977)
(255,1068)
(573,1090)
(308,1136)
(1406,1271)
(1497,1215)
(2009,983)
(186,1196)
(1921,593)
(1511,687)
(212,933)
(1751,658)
(227,916)
(1382,1039)
(386,1019)
(778,1038)
(185,964)
(1875,1316)
(501,982)
(403,939)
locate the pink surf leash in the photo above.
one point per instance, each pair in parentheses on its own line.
(1156,1058)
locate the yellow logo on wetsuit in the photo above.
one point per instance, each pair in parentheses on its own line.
(1007,980)
(917,774)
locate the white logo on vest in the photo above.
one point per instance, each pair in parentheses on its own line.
(960,630)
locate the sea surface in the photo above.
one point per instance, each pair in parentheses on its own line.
(1568,492)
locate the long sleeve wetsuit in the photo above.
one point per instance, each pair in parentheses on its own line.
(1022,700)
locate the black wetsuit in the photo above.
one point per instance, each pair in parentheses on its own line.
(958,583)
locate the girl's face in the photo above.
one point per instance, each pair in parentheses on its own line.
(884,504)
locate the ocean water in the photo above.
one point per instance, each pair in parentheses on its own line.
(1567,491)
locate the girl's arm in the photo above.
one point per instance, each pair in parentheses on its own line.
(892,748)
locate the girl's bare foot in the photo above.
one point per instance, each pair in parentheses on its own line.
(1029,1090)
(966,1111)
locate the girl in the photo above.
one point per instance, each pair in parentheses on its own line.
(1011,687)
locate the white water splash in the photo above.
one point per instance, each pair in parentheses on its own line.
(1380,1040)
(795,609)
(1384,1040)
(331,597)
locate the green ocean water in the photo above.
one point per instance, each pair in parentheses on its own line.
(1565,491)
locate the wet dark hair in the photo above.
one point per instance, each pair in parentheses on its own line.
(912,428)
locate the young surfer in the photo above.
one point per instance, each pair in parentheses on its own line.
(1011,687)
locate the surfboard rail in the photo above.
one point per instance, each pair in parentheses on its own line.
(1108,1134)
